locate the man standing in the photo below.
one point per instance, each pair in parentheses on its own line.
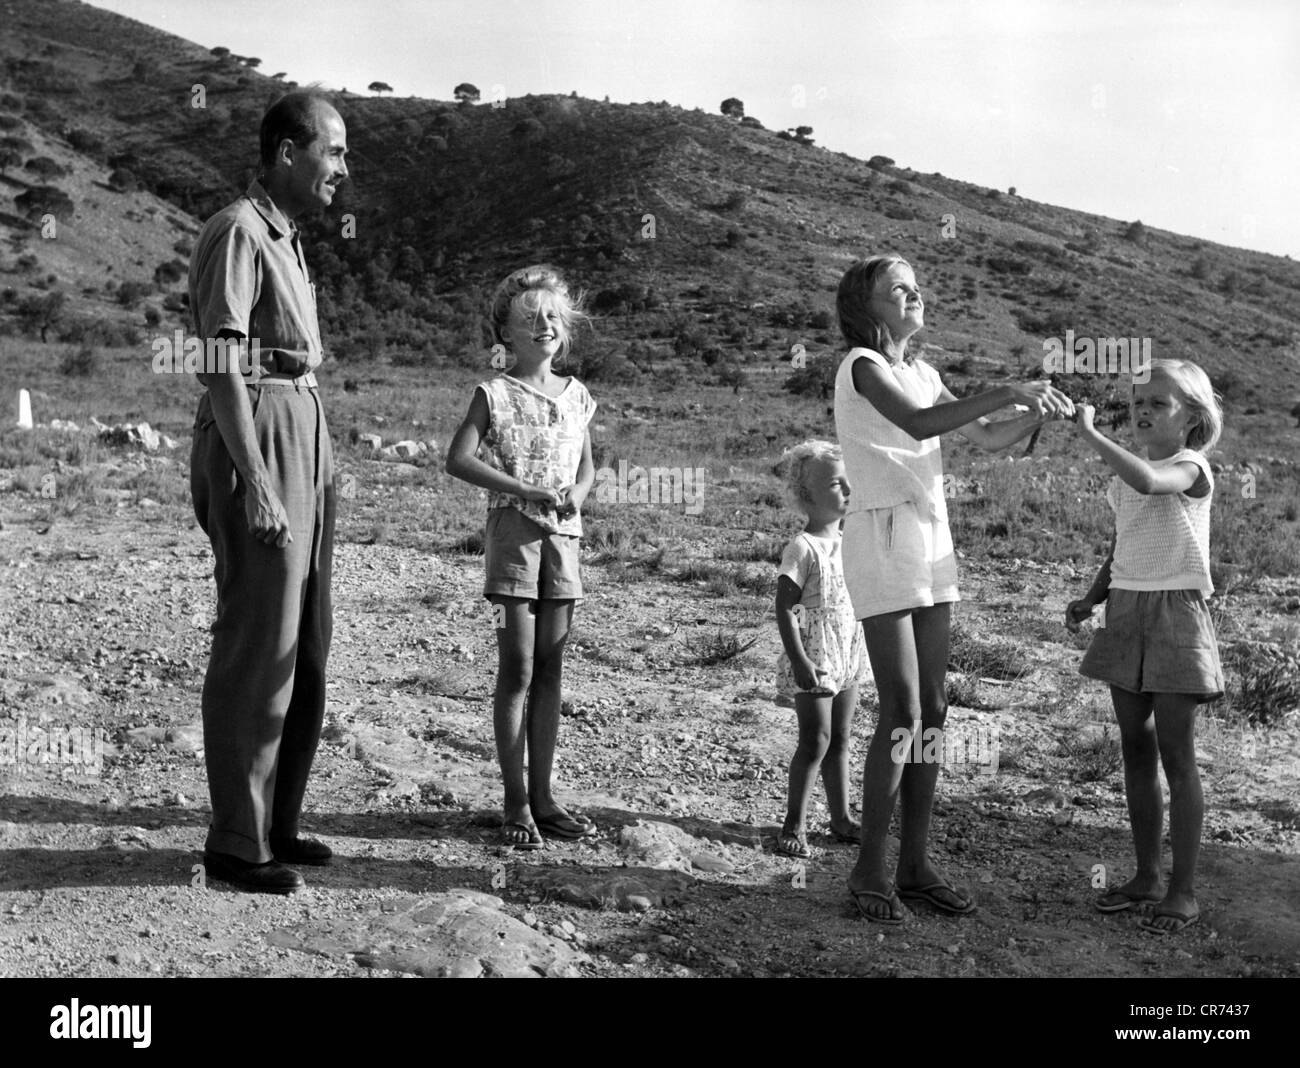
(262,478)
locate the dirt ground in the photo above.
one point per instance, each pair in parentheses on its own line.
(103,626)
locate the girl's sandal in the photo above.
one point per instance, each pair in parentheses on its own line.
(896,911)
(793,845)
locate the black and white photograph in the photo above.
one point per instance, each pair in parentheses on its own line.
(576,489)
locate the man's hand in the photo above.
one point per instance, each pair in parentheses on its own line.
(1076,612)
(267,520)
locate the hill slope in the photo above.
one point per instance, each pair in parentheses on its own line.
(698,236)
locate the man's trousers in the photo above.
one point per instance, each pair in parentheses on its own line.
(264,694)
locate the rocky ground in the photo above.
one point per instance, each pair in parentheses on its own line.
(680,761)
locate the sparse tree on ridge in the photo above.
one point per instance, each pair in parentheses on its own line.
(44,168)
(466,93)
(380,87)
(733,108)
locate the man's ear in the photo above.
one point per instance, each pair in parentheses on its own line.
(284,153)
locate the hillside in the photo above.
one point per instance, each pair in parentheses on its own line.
(698,238)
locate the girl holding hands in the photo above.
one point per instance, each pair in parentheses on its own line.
(899,563)
(1155,644)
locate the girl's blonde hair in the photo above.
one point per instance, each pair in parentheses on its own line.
(860,328)
(534,288)
(1198,394)
(794,462)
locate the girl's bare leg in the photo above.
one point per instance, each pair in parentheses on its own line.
(1137,735)
(892,649)
(552,632)
(835,764)
(1175,716)
(814,714)
(515,638)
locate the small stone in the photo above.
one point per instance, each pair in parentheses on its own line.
(372,442)
(640,958)
(568,927)
(638,902)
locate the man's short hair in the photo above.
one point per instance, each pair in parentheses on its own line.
(296,116)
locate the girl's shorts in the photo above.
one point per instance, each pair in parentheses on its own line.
(525,560)
(895,560)
(1156,641)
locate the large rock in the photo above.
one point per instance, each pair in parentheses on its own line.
(459,934)
(652,844)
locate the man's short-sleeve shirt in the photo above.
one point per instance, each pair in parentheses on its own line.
(248,275)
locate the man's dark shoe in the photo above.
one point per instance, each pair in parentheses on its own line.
(269,878)
(301,851)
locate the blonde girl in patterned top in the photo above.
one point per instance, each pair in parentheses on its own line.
(1155,644)
(525,441)
(825,656)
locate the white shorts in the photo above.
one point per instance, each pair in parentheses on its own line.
(896,560)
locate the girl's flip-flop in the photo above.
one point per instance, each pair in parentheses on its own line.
(896,910)
(1183,922)
(799,850)
(1123,901)
(930,895)
(570,827)
(533,841)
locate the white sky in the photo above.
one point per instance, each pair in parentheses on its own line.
(1178,113)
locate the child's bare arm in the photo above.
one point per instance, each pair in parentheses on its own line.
(999,434)
(875,383)
(1077,611)
(788,598)
(1133,469)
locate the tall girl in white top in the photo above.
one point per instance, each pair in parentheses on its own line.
(899,563)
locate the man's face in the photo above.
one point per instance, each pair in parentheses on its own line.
(316,170)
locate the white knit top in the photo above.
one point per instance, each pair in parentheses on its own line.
(885,464)
(1162,540)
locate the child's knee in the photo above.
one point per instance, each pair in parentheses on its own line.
(813,741)
(838,740)
(515,674)
(934,708)
(547,671)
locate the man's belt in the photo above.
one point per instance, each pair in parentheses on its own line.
(282,381)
